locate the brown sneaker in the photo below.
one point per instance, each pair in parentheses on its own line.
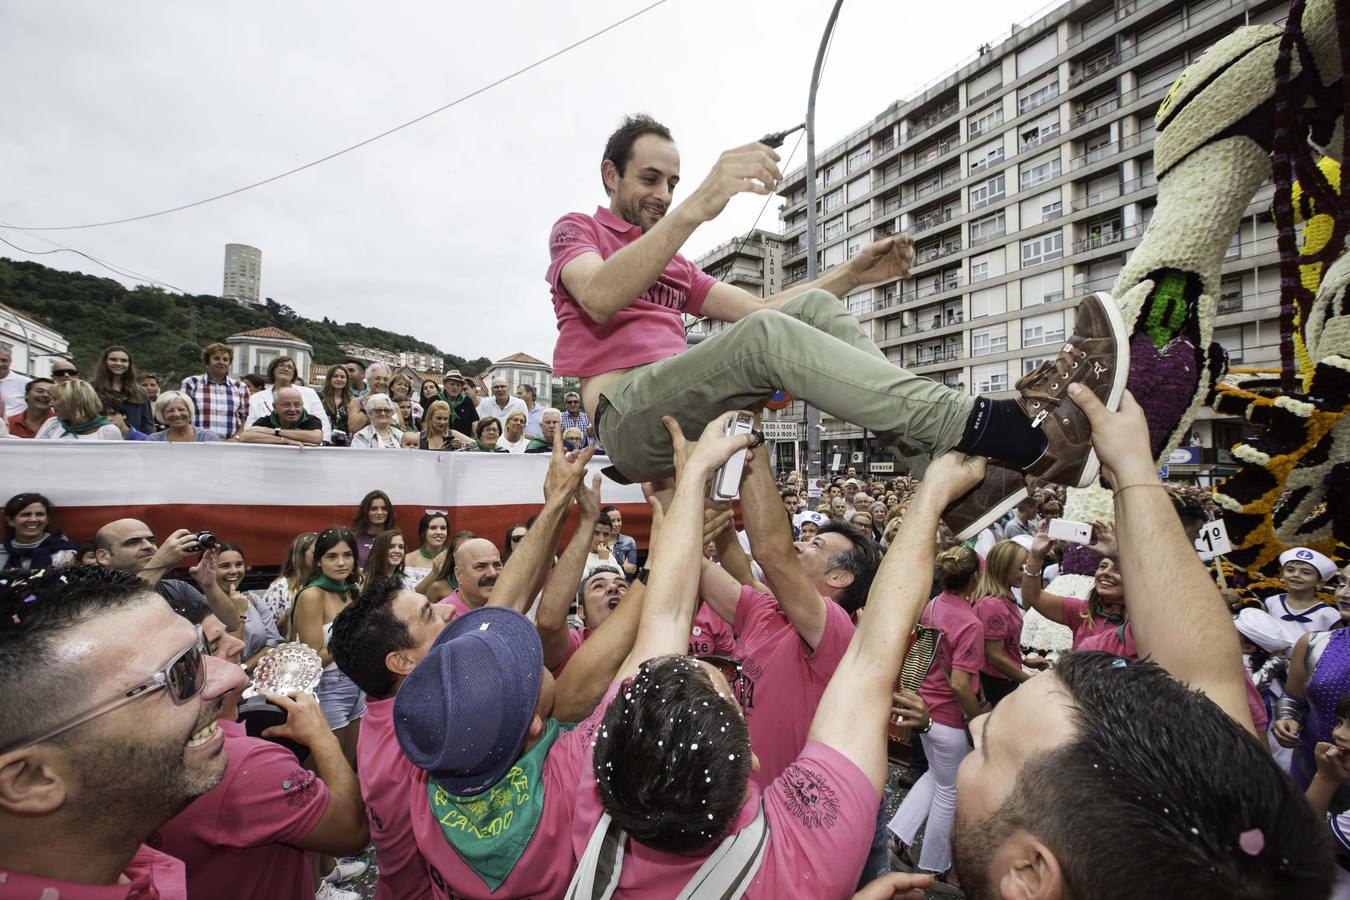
(1097,356)
(981,506)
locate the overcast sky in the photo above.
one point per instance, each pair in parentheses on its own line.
(440,231)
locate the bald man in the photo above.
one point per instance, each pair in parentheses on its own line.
(288,424)
(477,565)
(501,404)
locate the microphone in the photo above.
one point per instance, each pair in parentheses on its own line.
(775,139)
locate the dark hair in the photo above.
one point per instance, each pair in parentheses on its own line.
(253,379)
(334,401)
(619,147)
(188,606)
(364,632)
(131,391)
(484,423)
(377,563)
(534,395)
(27,388)
(361,521)
(272,369)
(435,389)
(1343,708)
(1027,504)
(1180,782)
(956,567)
(38,682)
(211,350)
(1189,512)
(860,560)
(353,361)
(16,503)
(672,757)
(223,547)
(82,549)
(329,538)
(425,523)
(507,546)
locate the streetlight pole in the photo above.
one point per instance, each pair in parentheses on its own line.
(814,461)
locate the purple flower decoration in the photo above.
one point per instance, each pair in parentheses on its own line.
(1164,383)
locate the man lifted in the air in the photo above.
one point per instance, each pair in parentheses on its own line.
(620,289)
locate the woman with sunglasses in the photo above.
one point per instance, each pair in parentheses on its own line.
(119,389)
(381,433)
(433,533)
(260,626)
(386,557)
(373,516)
(334,585)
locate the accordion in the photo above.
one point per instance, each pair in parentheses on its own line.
(919,656)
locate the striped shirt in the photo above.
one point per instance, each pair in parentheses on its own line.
(221,406)
(580,420)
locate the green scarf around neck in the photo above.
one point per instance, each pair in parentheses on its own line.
(276,422)
(68,427)
(323,582)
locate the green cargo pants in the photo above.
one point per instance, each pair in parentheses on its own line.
(811,347)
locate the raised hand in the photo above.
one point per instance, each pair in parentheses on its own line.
(1120,438)
(952,474)
(885,259)
(565,470)
(1041,543)
(749,169)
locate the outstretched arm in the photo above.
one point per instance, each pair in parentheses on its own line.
(853,711)
(551,618)
(1049,605)
(1177,616)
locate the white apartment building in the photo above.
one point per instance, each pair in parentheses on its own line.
(243,274)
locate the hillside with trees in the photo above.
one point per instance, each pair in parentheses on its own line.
(165,332)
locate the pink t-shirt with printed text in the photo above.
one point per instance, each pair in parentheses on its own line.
(384,785)
(961,647)
(650,328)
(1082,627)
(546,866)
(1001,619)
(786,677)
(238,839)
(821,811)
(150,875)
(711,634)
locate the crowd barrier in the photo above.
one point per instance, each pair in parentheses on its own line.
(259,497)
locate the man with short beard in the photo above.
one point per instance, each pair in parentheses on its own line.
(477,565)
(356,377)
(107,730)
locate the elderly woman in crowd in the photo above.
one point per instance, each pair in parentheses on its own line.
(488,431)
(344,410)
(175,410)
(120,390)
(79,415)
(378,378)
(381,432)
(260,626)
(32,541)
(514,441)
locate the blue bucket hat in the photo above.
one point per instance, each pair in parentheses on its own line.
(464,711)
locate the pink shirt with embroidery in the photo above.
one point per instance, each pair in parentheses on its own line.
(961,647)
(786,677)
(238,839)
(150,875)
(384,785)
(545,867)
(650,328)
(1082,627)
(1001,619)
(711,634)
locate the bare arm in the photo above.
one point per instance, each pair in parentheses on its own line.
(308,616)
(732,559)
(1049,605)
(1286,731)
(965,693)
(993,651)
(551,617)
(1177,616)
(853,711)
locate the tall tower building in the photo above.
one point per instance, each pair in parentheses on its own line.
(243,273)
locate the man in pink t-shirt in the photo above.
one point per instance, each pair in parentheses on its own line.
(478,564)
(669,716)
(97,658)
(620,291)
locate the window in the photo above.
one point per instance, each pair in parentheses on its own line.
(1032,363)
(989,302)
(859,215)
(989,377)
(986,229)
(1040,209)
(859,158)
(986,156)
(833,201)
(1039,132)
(834,228)
(987,192)
(1042,249)
(1048,287)
(987,266)
(858,188)
(860,304)
(982,84)
(834,255)
(1034,95)
(1037,55)
(1230,294)
(1046,329)
(984,121)
(854,245)
(986,341)
(1040,171)
(833,172)
(1156,34)
(1161,77)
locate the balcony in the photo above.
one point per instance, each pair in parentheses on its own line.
(1106,195)
(933,323)
(934,153)
(1049,132)
(891,205)
(933,187)
(1095,112)
(931,220)
(987,92)
(1030,102)
(931,120)
(975,129)
(1102,64)
(986,237)
(934,356)
(923,257)
(950,283)
(1100,236)
(1228,305)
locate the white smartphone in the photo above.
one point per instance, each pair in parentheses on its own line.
(1071,531)
(726,484)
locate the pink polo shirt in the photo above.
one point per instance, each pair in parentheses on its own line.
(711,634)
(575,638)
(786,677)
(961,647)
(546,866)
(1076,621)
(457,602)
(238,838)
(650,328)
(150,875)
(384,789)
(821,812)
(1002,621)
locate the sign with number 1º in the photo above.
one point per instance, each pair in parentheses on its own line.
(1213,540)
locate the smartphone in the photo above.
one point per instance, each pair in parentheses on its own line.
(1071,531)
(726,484)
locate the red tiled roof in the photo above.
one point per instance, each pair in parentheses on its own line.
(521,358)
(275,334)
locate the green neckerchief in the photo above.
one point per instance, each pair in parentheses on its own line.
(425,554)
(536,443)
(276,423)
(83,427)
(323,582)
(1099,612)
(491,830)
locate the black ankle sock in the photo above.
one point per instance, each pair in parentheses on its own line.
(1000,430)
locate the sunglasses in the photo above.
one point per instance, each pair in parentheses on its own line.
(65,373)
(183,677)
(435,512)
